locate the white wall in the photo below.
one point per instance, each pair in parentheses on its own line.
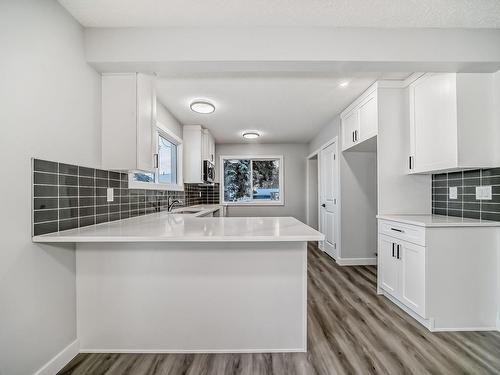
(327,132)
(294,156)
(358,196)
(50,109)
(358,204)
(166,119)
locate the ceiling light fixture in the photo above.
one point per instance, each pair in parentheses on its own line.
(202,106)
(251,135)
(344,84)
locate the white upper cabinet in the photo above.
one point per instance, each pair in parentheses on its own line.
(199,145)
(452,122)
(350,127)
(128,116)
(360,122)
(208,146)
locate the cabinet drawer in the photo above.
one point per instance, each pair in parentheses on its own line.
(404,232)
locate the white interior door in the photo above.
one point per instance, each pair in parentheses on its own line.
(328,201)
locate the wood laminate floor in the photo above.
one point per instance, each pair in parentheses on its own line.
(351,330)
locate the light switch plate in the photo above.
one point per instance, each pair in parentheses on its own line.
(110,195)
(453,192)
(483,192)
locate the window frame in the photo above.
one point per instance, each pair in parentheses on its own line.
(280,202)
(161,130)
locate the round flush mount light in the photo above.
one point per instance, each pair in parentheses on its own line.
(202,106)
(251,135)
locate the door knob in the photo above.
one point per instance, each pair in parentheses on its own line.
(323,205)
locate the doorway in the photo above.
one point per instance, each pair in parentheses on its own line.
(323,196)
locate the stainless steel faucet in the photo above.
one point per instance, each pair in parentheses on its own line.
(172,202)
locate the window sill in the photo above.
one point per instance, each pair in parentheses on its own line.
(154,186)
(277,203)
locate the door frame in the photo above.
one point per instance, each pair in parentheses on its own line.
(317,153)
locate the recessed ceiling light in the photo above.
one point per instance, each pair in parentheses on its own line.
(251,135)
(344,84)
(202,106)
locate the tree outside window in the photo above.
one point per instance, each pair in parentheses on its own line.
(252,180)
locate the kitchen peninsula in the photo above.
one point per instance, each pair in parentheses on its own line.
(180,283)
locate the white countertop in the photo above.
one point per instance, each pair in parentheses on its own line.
(439,221)
(171,227)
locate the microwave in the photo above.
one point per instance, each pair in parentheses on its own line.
(208,172)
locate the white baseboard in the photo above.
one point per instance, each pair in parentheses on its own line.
(356,261)
(464,329)
(60,360)
(198,351)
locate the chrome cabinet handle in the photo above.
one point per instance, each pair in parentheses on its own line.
(393,249)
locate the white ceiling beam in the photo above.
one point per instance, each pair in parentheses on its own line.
(339,49)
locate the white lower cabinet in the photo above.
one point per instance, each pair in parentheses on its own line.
(443,276)
(388,266)
(412,279)
(402,272)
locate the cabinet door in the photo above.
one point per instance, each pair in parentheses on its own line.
(350,129)
(388,266)
(205,144)
(368,118)
(434,122)
(212,149)
(146,142)
(412,258)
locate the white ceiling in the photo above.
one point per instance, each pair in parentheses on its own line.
(317,13)
(283,108)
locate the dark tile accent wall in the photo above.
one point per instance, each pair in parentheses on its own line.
(69,196)
(466,205)
(201,194)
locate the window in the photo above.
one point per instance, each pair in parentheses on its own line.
(252,180)
(167,174)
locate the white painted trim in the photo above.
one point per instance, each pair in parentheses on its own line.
(317,152)
(60,360)
(179,186)
(324,145)
(464,329)
(398,84)
(359,99)
(307,186)
(356,261)
(197,351)
(281,201)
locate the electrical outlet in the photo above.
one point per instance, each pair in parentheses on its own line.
(110,195)
(483,192)
(453,192)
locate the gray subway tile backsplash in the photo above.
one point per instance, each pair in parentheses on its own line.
(466,205)
(68,196)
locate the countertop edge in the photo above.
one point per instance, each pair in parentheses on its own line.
(124,239)
(478,224)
